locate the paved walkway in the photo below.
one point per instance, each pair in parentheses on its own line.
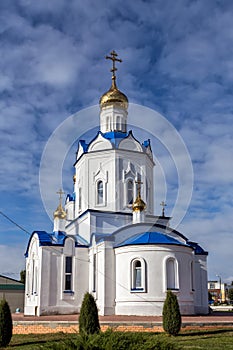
(215,318)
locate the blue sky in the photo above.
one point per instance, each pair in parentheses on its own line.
(177,60)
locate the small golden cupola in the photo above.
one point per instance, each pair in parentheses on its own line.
(59,212)
(113,104)
(113,96)
(138,206)
(59,215)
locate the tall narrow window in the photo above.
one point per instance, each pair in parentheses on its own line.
(33,276)
(171,274)
(28,282)
(118,123)
(94,273)
(35,280)
(68,273)
(130,192)
(100,192)
(138,275)
(107,124)
(79,198)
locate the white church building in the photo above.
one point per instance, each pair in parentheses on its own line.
(107,240)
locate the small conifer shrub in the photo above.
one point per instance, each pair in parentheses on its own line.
(88,318)
(5,323)
(171,314)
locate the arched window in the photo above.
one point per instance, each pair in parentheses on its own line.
(138,275)
(171,273)
(130,192)
(100,192)
(118,123)
(68,273)
(107,124)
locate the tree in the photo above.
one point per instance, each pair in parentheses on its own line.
(88,318)
(171,314)
(22,276)
(5,324)
(210,296)
(230,294)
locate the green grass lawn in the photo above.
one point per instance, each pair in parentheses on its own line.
(211,339)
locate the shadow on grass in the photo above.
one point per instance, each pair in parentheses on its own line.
(37,341)
(205,332)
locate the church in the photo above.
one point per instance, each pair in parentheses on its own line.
(106,239)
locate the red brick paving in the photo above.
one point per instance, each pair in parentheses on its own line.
(215,317)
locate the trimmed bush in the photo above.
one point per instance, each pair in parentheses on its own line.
(171,314)
(111,340)
(5,323)
(88,318)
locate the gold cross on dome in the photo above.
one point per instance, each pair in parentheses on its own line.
(139,183)
(60,192)
(114,59)
(163,204)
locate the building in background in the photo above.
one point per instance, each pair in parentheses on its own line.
(219,291)
(107,239)
(13,291)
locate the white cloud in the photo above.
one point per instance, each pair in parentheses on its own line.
(11,266)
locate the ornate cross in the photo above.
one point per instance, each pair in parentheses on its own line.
(60,192)
(139,183)
(114,58)
(163,204)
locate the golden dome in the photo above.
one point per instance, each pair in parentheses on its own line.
(114,97)
(59,212)
(138,204)
(74,178)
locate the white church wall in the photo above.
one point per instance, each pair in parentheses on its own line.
(84,226)
(109,119)
(81,275)
(100,143)
(130,144)
(201,285)
(104,165)
(110,284)
(55,297)
(70,211)
(33,277)
(102,277)
(108,222)
(149,300)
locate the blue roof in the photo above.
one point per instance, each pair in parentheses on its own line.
(197,248)
(70,197)
(84,145)
(151,238)
(146,143)
(56,238)
(114,137)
